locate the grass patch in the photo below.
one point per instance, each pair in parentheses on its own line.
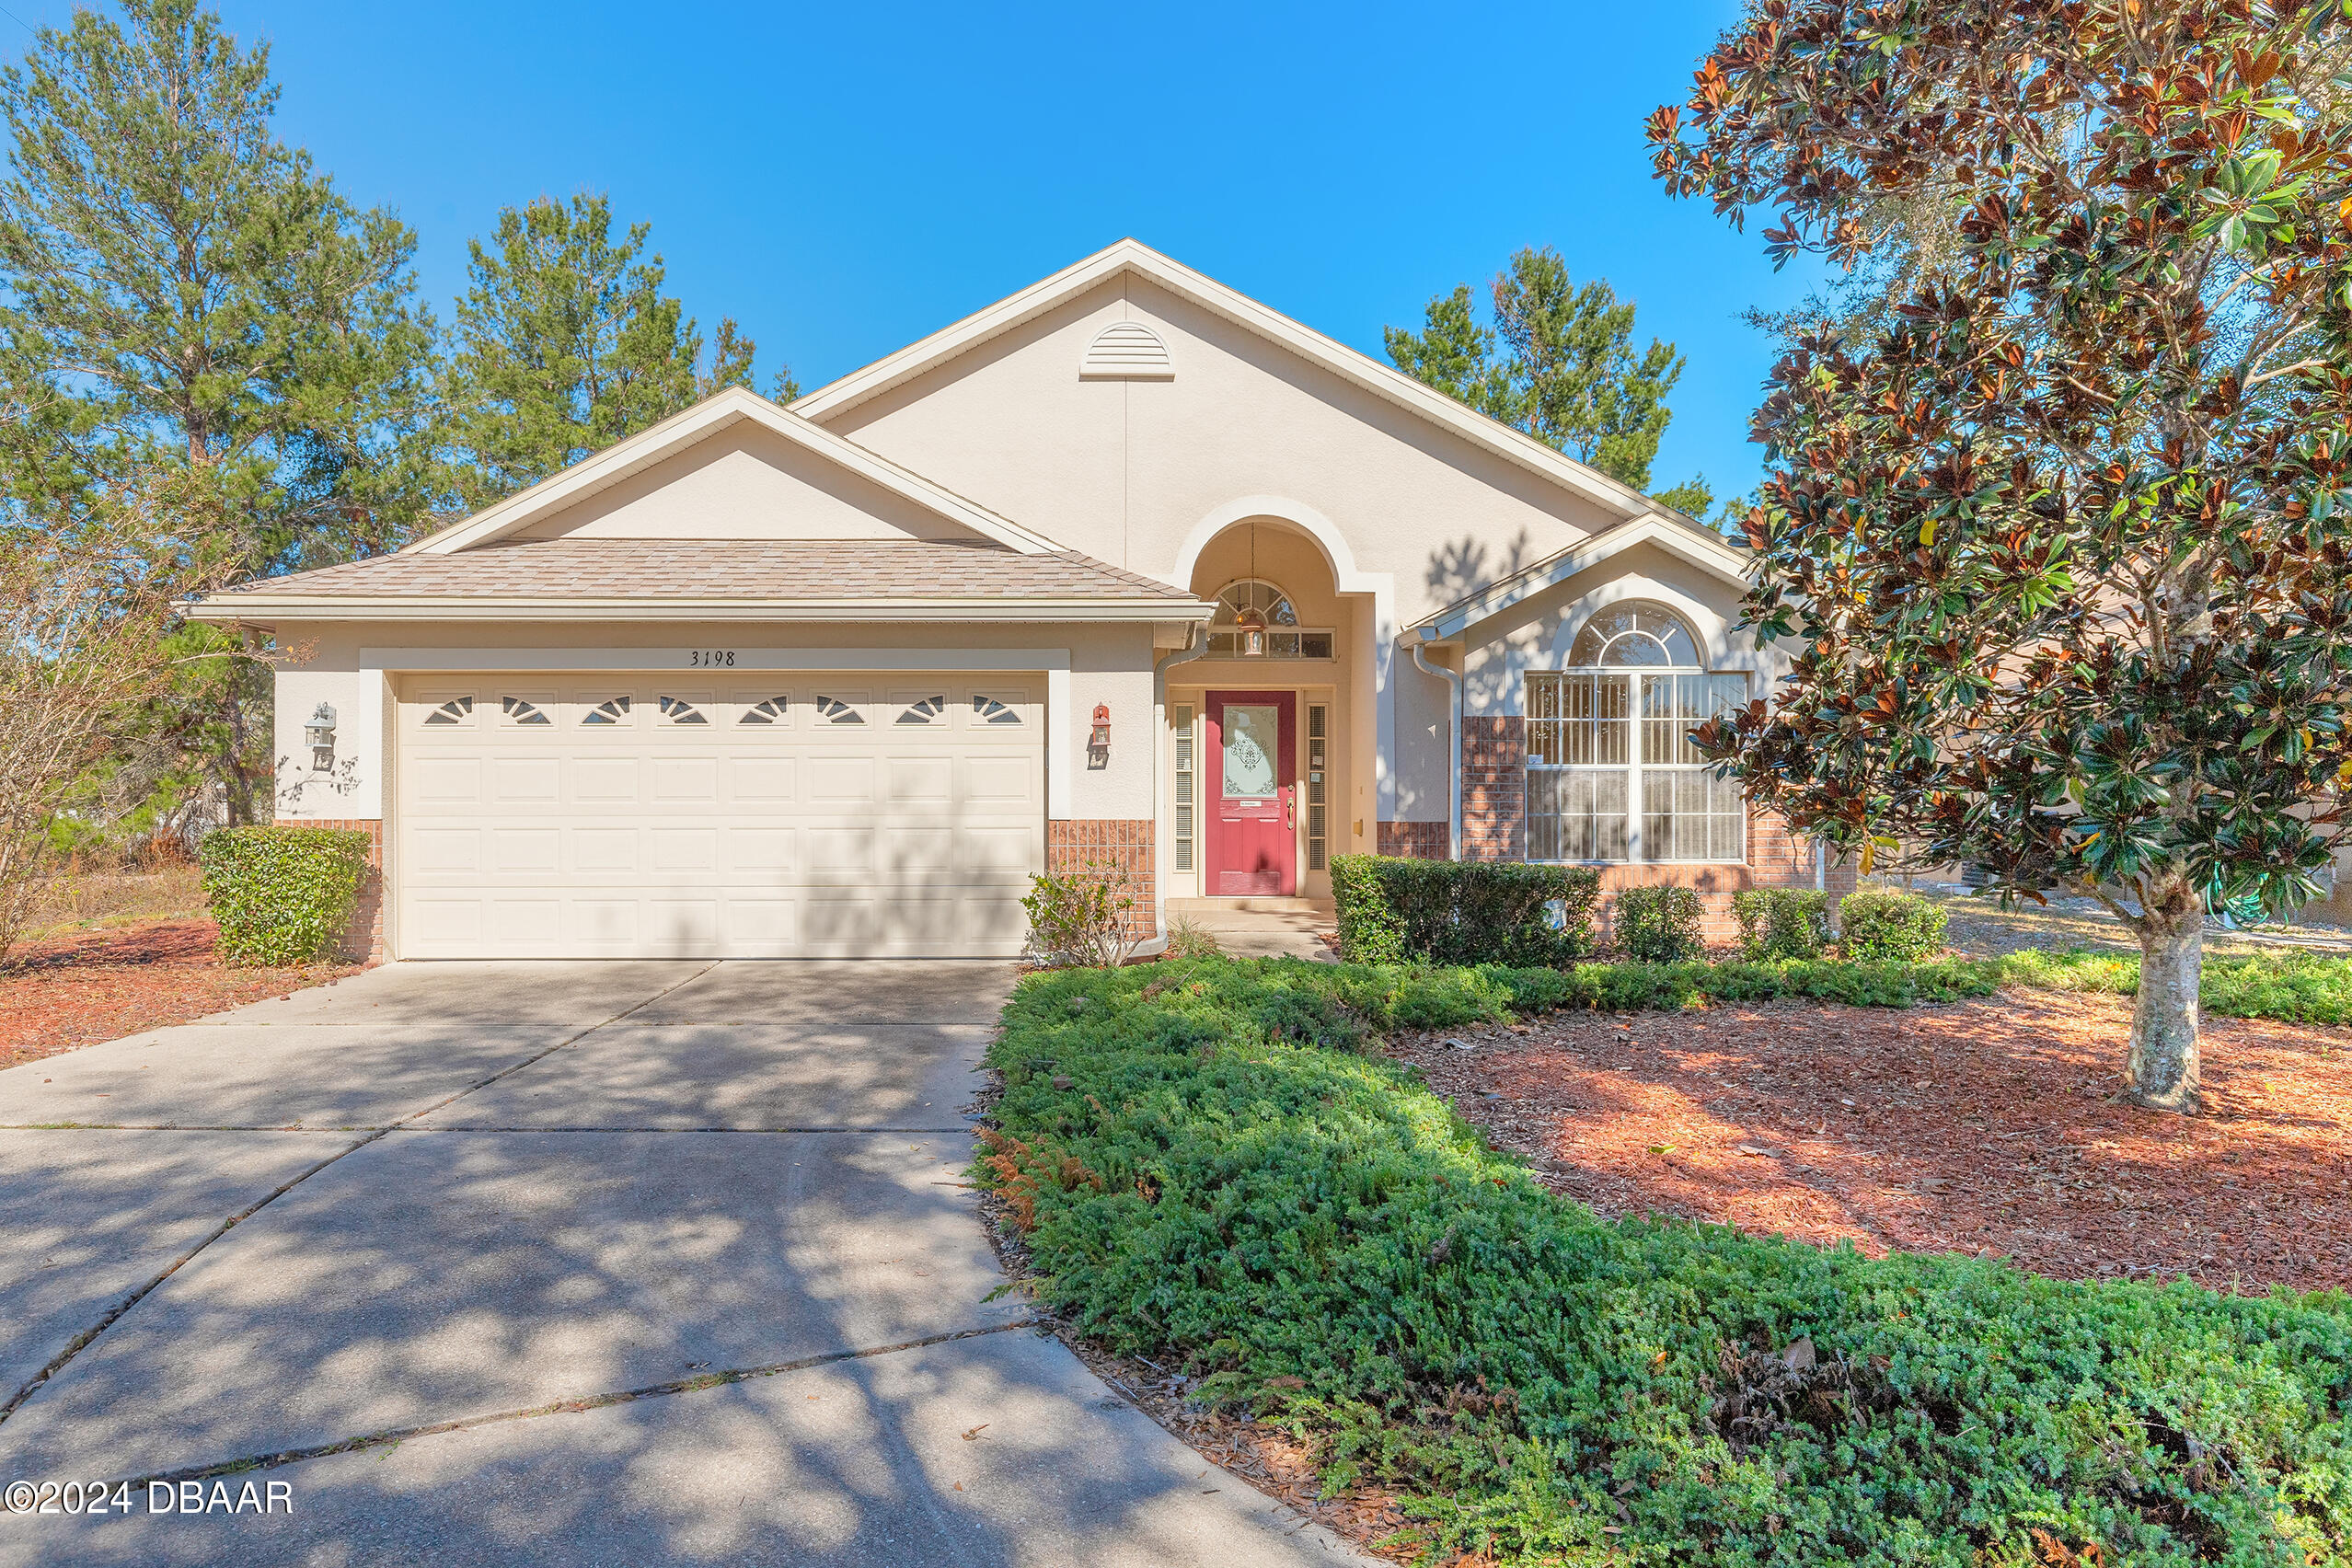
(1211,1173)
(2292,988)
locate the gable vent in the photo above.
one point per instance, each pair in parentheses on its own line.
(1127,351)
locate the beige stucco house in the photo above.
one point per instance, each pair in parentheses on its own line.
(1126,569)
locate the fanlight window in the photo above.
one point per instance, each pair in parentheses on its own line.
(1634,632)
(833,710)
(523,712)
(612,710)
(990,711)
(1254,619)
(457,710)
(1612,773)
(930,710)
(679,710)
(771,711)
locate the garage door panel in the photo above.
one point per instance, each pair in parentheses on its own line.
(995,853)
(602,852)
(526,851)
(840,847)
(762,848)
(447,851)
(763,779)
(685,781)
(840,780)
(684,849)
(998,781)
(605,780)
(617,827)
(448,780)
(526,780)
(534,922)
(919,781)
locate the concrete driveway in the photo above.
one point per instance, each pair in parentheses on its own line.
(563,1263)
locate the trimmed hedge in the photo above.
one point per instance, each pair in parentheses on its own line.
(281,895)
(1659,925)
(1393,910)
(1895,926)
(1210,1173)
(1781,922)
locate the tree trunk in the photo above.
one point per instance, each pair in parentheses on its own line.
(2161,1070)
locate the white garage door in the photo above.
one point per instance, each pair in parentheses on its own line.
(625,816)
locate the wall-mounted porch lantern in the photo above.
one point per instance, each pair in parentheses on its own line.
(1098,744)
(320,734)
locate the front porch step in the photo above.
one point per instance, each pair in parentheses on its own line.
(1252,905)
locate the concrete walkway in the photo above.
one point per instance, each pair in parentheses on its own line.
(585,1263)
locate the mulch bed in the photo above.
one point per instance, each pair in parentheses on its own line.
(76,991)
(1990,1127)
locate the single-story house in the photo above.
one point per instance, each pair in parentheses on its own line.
(1125,571)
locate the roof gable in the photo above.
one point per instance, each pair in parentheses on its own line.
(1707,552)
(1129,256)
(735,465)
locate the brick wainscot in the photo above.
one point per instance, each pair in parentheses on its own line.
(1118,847)
(1495,793)
(365,937)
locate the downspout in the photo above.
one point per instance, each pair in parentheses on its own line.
(1820,867)
(1453,680)
(1194,646)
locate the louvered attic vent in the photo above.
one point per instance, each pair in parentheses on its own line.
(1126,351)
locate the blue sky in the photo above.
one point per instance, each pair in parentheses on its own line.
(844,178)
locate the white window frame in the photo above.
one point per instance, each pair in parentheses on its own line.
(1634,765)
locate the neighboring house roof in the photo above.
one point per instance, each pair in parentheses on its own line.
(1133,255)
(729,406)
(721,579)
(1703,548)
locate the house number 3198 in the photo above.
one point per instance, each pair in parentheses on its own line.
(710,658)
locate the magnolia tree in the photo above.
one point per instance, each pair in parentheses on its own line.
(2062,535)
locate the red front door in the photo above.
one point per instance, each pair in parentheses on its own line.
(1253,787)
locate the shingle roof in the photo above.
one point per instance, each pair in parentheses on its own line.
(830,571)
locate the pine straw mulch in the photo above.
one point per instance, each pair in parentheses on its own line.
(69,991)
(1988,1126)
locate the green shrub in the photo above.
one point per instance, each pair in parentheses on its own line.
(1393,910)
(282,894)
(2292,988)
(1781,922)
(1899,927)
(1079,918)
(1210,1173)
(1659,925)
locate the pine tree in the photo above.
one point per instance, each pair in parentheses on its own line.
(186,306)
(1568,376)
(566,343)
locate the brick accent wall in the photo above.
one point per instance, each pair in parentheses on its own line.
(1415,840)
(1122,847)
(1494,789)
(365,937)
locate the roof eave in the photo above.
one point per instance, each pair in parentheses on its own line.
(1720,561)
(731,406)
(231,610)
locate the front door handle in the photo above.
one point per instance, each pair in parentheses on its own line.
(1287,821)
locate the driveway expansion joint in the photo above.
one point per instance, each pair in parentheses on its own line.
(559,1407)
(113,1315)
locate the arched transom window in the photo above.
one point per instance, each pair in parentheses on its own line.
(1254,619)
(1611,771)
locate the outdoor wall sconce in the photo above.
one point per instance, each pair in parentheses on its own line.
(1098,744)
(319,734)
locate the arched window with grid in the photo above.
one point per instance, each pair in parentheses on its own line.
(1612,773)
